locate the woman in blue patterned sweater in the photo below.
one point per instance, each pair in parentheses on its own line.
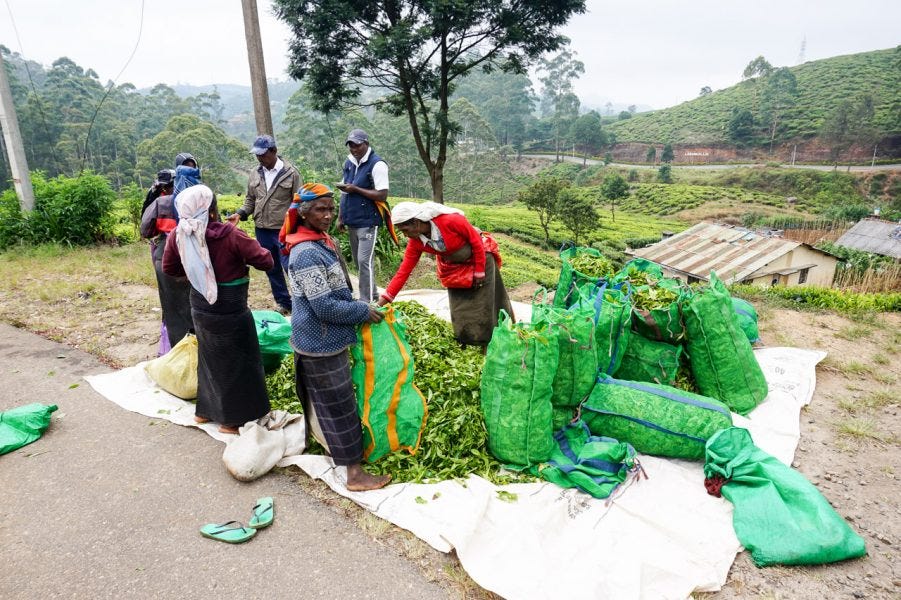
(324,317)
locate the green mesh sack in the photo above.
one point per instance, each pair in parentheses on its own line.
(722,360)
(612,323)
(392,410)
(747,318)
(562,415)
(779,516)
(655,419)
(572,280)
(647,360)
(516,387)
(638,271)
(22,425)
(656,311)
(577,366)
(596,465)
(274,335)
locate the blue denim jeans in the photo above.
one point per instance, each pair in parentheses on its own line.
(268,239)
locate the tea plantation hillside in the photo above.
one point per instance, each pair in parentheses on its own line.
(822,85)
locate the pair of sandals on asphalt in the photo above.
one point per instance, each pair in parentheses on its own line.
(234,532)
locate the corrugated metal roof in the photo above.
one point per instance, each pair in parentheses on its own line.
(874,235)
(732,252)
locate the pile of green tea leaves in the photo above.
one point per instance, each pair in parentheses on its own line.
(592,266)
(455,441)
(638,277)
(653,297)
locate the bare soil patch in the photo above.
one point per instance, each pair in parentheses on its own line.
(849,434)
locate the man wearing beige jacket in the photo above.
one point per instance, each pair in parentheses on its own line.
(270,190)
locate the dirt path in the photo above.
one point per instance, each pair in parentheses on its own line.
(849,434)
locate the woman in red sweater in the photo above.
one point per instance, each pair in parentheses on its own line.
(468,266)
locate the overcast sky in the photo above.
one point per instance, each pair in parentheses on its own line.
(655,53)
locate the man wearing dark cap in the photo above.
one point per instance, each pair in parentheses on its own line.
(270,190)
(364,206)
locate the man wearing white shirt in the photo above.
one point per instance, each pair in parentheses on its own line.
(364,207)
(270,190)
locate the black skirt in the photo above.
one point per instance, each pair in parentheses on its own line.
(175,293)
(474,311)
(231,385)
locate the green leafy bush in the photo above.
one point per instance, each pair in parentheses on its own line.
(68,210)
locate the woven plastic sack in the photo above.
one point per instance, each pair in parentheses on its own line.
(663,322)
(572,281)
(647,360)
(596,465)
(747,318)
(779,516)
(612,324)
(176,371)
(577,366)
(22,425)
(392,409)
(516,387)
(722,359)
(655,419)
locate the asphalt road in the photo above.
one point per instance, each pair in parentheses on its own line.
(108,503)
(593,161)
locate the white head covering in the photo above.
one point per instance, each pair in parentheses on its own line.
(404,211)
(193,205)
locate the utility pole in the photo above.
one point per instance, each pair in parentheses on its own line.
(13,138)
(258,85)
(873,162)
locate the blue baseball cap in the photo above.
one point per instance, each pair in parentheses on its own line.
(263,144)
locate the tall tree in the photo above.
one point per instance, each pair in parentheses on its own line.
(417,52)
(780,93)
(850,123)
(558,98)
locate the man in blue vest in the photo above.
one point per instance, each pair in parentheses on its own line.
(364,202)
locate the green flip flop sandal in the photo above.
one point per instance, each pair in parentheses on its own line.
(231,532)
(263,513)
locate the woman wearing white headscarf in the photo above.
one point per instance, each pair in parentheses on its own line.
(468,266)
(215,256)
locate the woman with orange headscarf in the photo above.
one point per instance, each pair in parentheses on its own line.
(324,317)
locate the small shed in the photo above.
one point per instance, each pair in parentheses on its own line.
(739,255)
(875,236)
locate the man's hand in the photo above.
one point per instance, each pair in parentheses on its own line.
(375,316)
(382,301)
(341,227)
(233,219)
(478,281)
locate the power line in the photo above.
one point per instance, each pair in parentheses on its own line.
(111,86)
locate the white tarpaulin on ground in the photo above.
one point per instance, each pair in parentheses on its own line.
(662,537)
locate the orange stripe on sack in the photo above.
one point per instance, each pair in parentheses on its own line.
(368,384)
(402,377)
